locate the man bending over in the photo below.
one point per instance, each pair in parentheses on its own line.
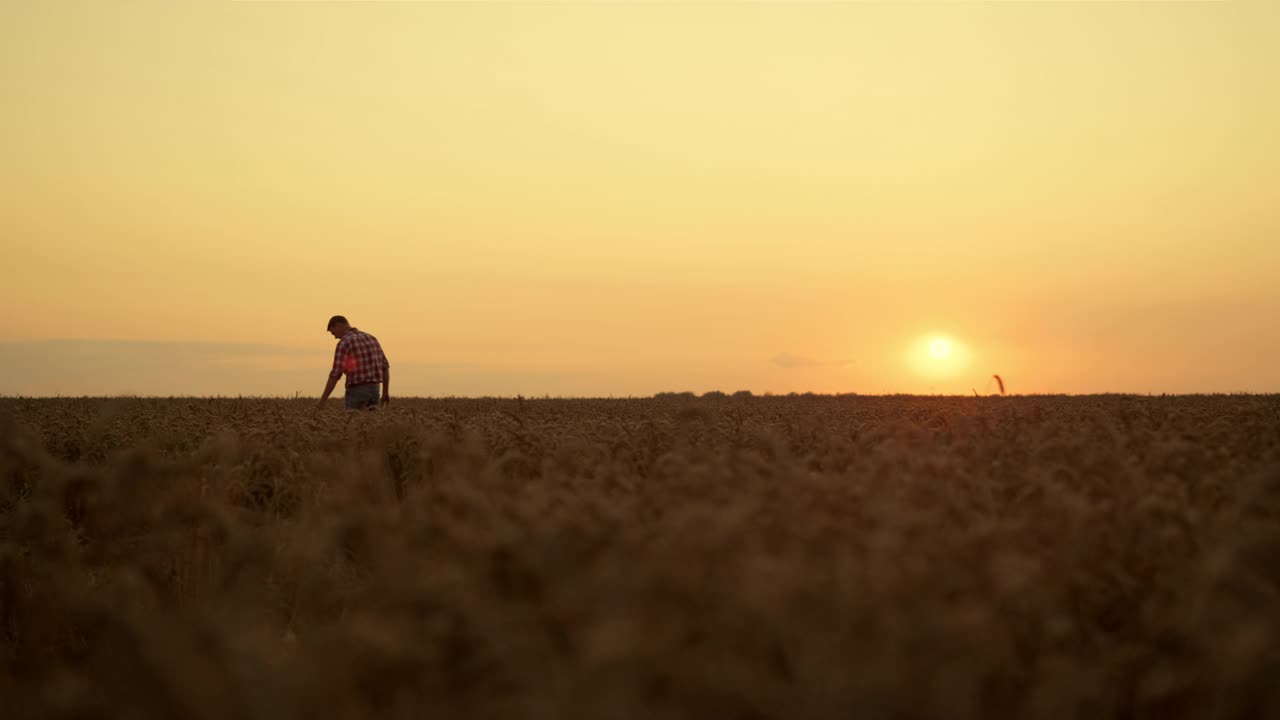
(360,357)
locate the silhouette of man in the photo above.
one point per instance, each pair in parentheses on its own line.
(360,357)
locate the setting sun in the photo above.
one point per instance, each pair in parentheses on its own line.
(936,356)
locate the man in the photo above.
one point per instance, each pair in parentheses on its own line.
(359,356)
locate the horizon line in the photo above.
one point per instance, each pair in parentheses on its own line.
(663,395)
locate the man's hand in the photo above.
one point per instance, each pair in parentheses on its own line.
(328,388)
(385,398)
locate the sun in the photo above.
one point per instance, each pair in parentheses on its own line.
(938,355)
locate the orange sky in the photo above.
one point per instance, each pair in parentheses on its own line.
(623,198)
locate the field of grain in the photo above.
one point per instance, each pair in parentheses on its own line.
(677,557)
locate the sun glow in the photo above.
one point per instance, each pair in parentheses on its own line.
(938,356)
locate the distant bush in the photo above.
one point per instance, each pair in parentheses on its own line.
(686,395)
(743,394)
(713,395)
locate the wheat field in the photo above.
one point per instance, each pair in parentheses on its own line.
(673,557)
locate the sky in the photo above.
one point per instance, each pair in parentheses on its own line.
(622,198)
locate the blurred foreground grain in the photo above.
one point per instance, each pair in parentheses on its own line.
(768,557)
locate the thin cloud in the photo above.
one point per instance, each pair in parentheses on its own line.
(791,361)
(788,360)
(115,367)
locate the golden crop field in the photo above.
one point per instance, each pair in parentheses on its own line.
(674,557)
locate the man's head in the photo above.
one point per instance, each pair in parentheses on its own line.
(338,326)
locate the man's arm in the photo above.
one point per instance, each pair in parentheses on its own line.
(328,388)
(334,373)
(386,377)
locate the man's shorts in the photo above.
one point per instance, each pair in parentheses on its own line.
(361,397)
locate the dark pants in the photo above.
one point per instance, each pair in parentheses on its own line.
(361,397)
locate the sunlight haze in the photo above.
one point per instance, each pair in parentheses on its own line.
(625,198)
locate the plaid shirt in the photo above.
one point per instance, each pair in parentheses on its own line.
(359,356)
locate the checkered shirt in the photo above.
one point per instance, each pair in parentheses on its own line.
(359,356)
